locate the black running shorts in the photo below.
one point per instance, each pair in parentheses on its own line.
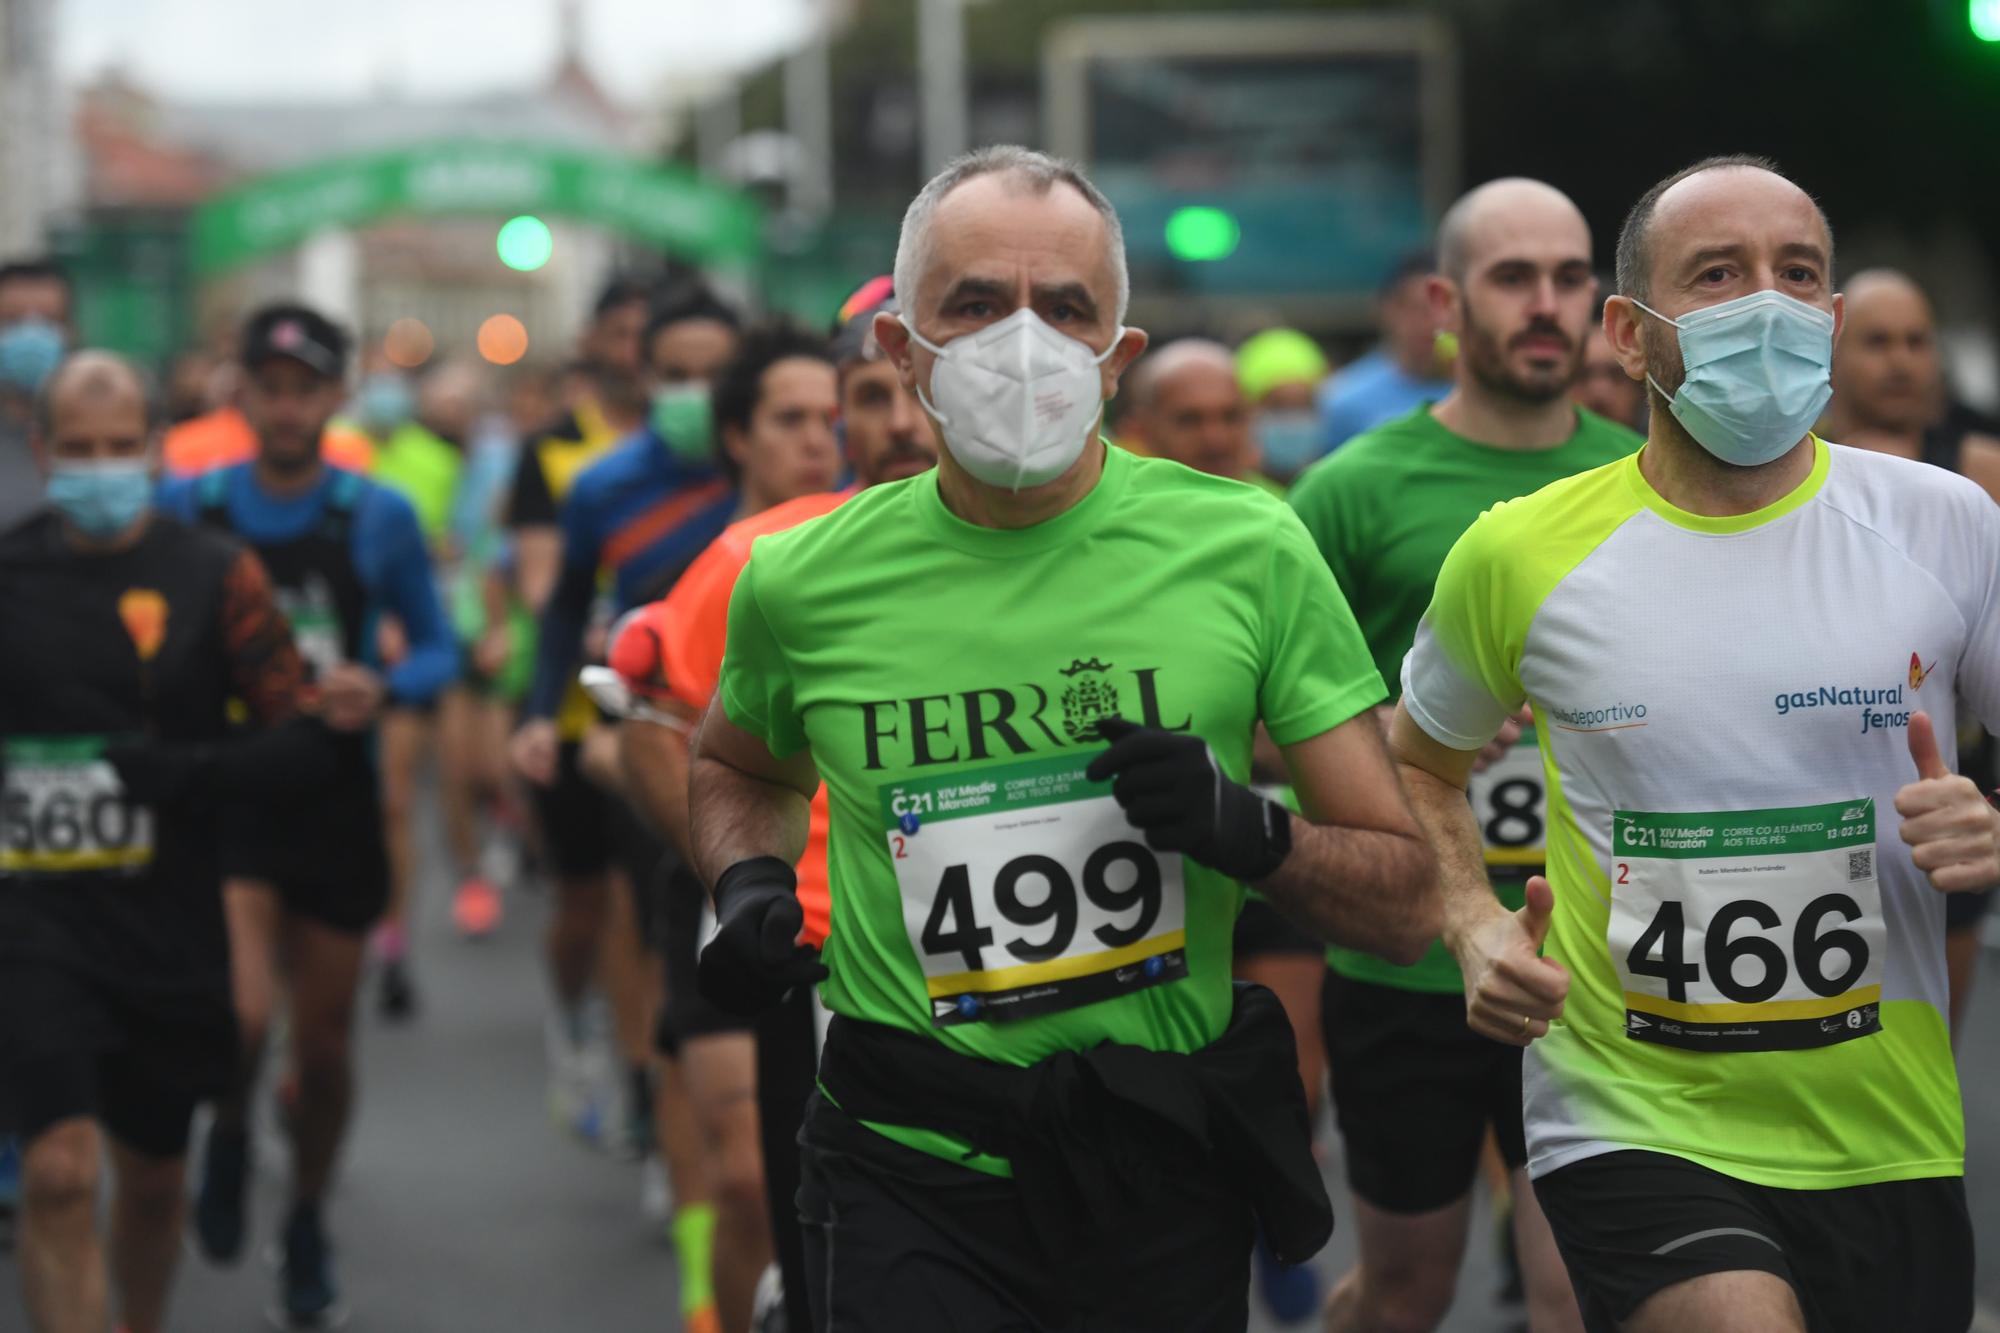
(689,1015)
(1414,1091)
(74,1046)
(1864,1259)
(578,819)
(897,1240)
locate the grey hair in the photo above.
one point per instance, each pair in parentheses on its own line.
(1038,173)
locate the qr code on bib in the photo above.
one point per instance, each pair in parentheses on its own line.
(1860,865)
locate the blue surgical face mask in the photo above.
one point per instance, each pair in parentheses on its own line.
(1758,374)
(102,499)
(1290,441)
(29,351)
(384,402)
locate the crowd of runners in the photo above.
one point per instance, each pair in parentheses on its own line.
(994,785)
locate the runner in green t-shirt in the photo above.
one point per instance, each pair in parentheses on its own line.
(1414,1089)
(1042,1099)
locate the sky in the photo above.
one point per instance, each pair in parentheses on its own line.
(256,50)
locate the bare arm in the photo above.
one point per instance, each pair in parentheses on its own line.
(1506,980)
(657,762)
(1358,868)
(743,801)
(537,562)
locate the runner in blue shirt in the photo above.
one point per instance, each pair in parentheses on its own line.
(342,553)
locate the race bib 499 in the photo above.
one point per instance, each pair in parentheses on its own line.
(1748,930)
(1025,892)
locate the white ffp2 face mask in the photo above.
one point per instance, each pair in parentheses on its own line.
(1016,400)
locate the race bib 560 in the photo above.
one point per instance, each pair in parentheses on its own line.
(63,810)
(1026,892)
(1748,930)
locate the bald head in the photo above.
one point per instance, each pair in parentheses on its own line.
(87,379)
(1183,360)
(95,406)
(1188,406)
(1515,284)
(1884,288)
(1886,371)
(1708,199)
(1499,212)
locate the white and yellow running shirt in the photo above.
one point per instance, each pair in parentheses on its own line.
(1758,966)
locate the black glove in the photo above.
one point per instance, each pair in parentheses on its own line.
(1171,787)
(755,958)
(163,775)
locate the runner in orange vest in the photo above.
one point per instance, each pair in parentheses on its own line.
(669,654)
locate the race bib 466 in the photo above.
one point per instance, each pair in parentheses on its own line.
(1748,930)
(1026,892)
(63,810)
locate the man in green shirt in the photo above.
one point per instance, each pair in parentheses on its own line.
(1414,1089)
(1042,1100)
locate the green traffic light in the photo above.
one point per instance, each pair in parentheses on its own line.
(1984,16)
(525,243)
(1199,234)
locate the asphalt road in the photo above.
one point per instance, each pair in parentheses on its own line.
(461,1208)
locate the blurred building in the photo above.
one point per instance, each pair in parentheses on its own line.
(1270,158)
(37,155)
(148,161)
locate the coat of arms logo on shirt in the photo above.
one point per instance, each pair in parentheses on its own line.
(1087,699)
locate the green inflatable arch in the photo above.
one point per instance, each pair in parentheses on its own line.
(668,207)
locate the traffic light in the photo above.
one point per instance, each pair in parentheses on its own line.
(1983,16)
(525,243)
(1198,233)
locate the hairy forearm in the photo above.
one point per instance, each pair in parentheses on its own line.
(1359,888)
(1461,889)
(734,815)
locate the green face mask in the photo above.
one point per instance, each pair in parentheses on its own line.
(682,420)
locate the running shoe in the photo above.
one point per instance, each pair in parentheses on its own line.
(476,909)
(767,1307)
(579,1091)
(1291,1292)
(656,1197)
(221,1198)
(308,1297)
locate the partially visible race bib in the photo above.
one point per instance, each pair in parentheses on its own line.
(1510,802)
(63,811)
(316,627)
(1025,892)
(1748,930)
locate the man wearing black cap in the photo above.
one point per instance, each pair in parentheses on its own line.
(342,552)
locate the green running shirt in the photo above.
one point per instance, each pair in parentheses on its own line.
(948,678)
(1385,509)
